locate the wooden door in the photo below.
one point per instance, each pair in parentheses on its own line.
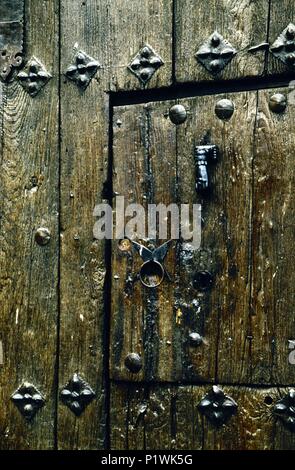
(90,358)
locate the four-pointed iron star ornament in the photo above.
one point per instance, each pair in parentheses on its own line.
(77,395)
(285,410)
(217,406)
(215,53)
(152,271)
(28,400)
(284,46)
(145,64)
(83,70)
(34,77)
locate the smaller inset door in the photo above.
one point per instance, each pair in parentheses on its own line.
(223,311)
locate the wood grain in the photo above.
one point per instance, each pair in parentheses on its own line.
(145,173)
(168,418)
(99,29)
(58,160)
(221,314)
(29,272)
(242,22)
(84,150)
(118,31)
(124,28)
(272,298)
(244,318)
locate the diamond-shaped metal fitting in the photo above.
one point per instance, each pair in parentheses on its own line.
(285,410)
(217,406)
(34,76)
(77,395)
(83,70)
(284,46)
(28,400)
(145,64)
(215,53)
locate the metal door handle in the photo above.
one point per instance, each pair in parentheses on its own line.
(204,154)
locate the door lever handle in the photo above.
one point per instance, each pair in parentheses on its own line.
(204,155)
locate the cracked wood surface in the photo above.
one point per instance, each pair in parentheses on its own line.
(29,273)
(54,152)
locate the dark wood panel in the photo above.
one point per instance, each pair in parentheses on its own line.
(168,418)
(53,325)
(145,173)
(29,272)
(242,23)
(84,151)
(244,318)
(221,314)
(128,169)
(99,30)
(272,299)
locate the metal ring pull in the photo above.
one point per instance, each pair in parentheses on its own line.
(152,271)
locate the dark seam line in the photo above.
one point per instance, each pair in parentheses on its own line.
(57,364)
(217,346)
(193,89)
(147,393)
(184,359)
(107,288)
(173,417)
(251,226)
(3,91)
(24,51)
(127,420)
(174,42)
(266,63)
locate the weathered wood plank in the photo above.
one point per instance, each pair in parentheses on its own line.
(119,30)
(145,173)
(272,299)
(124,28)
(282,13)
(220,313)
(242,23)
(97,25)
(144,414)
(127,298)
(84,149)
(119,408)
(29,272)
(169,418)
(153,162)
